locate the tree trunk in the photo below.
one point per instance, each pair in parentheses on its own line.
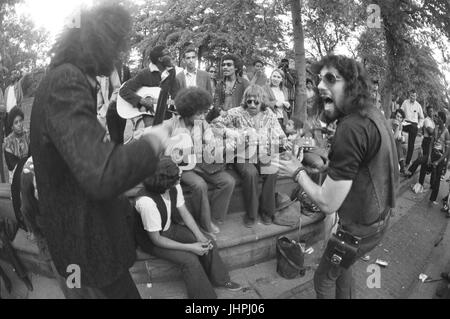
(391,67)
(299,114)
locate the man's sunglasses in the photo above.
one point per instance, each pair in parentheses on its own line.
(330,78)
(252,101)
(227,64)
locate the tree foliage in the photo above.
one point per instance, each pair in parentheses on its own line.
(22,46)
(246,27)
(328,24)
(398,53)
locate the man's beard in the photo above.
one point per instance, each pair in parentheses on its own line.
(330,112)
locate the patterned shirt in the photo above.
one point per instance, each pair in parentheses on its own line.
(265,122)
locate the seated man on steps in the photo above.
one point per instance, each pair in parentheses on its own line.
(156,234)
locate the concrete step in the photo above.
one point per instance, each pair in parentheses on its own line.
(284,185)
(239,247)
(260,281)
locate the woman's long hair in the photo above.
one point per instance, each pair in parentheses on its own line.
(357,88)
(281,73)
(97,43)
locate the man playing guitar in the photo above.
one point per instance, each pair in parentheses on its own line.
(160,73)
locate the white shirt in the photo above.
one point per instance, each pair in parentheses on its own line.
(151,217)
(11,100)
(413,112)
(191,78)
(428,123)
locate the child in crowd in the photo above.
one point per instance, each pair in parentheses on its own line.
(156,234)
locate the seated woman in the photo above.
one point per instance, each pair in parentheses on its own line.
(192,104)
(397,130)
(201,265)
(16,150)
(277,98)
(253,116)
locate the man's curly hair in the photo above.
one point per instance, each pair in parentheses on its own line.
(357,88)
(238,64)
(95,46)
(166,176)
(192,100)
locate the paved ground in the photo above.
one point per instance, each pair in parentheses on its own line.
(412,246)
(409,248)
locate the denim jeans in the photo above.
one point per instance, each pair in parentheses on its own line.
(200,273)
(331,281)
(264,203)
(412,131)
(203,206)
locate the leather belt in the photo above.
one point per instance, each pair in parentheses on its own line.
(369,230)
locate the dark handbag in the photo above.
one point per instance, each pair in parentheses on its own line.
(290,258)
(342,249)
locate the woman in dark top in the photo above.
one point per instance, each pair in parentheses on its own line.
(17,150)
(17,143)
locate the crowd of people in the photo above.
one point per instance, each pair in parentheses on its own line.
(81,165)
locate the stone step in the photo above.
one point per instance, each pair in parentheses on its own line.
(259,281)
(239,247)
(284,185)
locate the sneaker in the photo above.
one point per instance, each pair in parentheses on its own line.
(249,223)
(266,220)
(232,286)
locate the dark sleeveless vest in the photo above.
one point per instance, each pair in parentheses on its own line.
(141,236)
(374,189)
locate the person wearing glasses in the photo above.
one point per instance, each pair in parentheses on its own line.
(255,118)
(362,175)
(160,73)
(230,88)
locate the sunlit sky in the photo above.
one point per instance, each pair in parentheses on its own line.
(51,14)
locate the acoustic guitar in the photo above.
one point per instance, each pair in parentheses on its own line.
(128,111)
